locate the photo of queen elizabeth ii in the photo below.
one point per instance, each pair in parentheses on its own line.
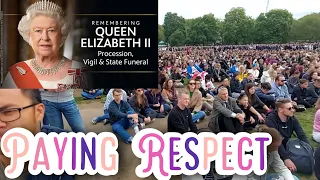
(45,28)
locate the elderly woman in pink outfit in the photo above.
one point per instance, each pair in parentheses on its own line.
(316,123)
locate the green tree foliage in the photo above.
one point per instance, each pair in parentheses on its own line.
(160,33)
(307,27)
(276,26)
(177,38)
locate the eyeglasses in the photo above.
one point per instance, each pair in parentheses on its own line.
(9,115)
(192,83)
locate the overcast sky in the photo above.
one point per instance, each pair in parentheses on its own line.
(196,8)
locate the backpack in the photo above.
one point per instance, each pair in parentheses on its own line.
(301,154)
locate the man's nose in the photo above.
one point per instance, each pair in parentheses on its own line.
(3,124)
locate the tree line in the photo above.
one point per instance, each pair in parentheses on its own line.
(275,26)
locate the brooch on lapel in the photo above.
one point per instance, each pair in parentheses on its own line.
(21,70)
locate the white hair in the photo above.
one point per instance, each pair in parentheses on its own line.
(47,8)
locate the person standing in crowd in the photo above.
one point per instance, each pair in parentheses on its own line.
(105,117)
(180,118)
(122,116)
(279,88)
(195,102)
(286,123)
(24,109)
(226,115)
(302,96)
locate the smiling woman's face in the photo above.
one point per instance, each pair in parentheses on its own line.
(45,35)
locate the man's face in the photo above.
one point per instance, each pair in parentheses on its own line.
(184,100)
(281,81)
(224,95)
(28,118)
(287,110)
(117,96)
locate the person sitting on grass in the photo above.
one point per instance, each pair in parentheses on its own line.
(105,117)
(286,123)
(92,93)
(302,96)
(156,101)
(252,116)
(122,116)
(139,103)
(195,103)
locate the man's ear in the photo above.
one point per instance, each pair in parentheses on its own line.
(39,112)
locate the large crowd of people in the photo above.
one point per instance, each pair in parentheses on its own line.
(238,89)
(231,88)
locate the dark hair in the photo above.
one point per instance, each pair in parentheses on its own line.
(242,95)
(198,78)
(117,90)
(165,84)
(208,77)
(266,86)
(33,94)
(302,81)
(278,77)
(251,97)
(311,73)
(235,74)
